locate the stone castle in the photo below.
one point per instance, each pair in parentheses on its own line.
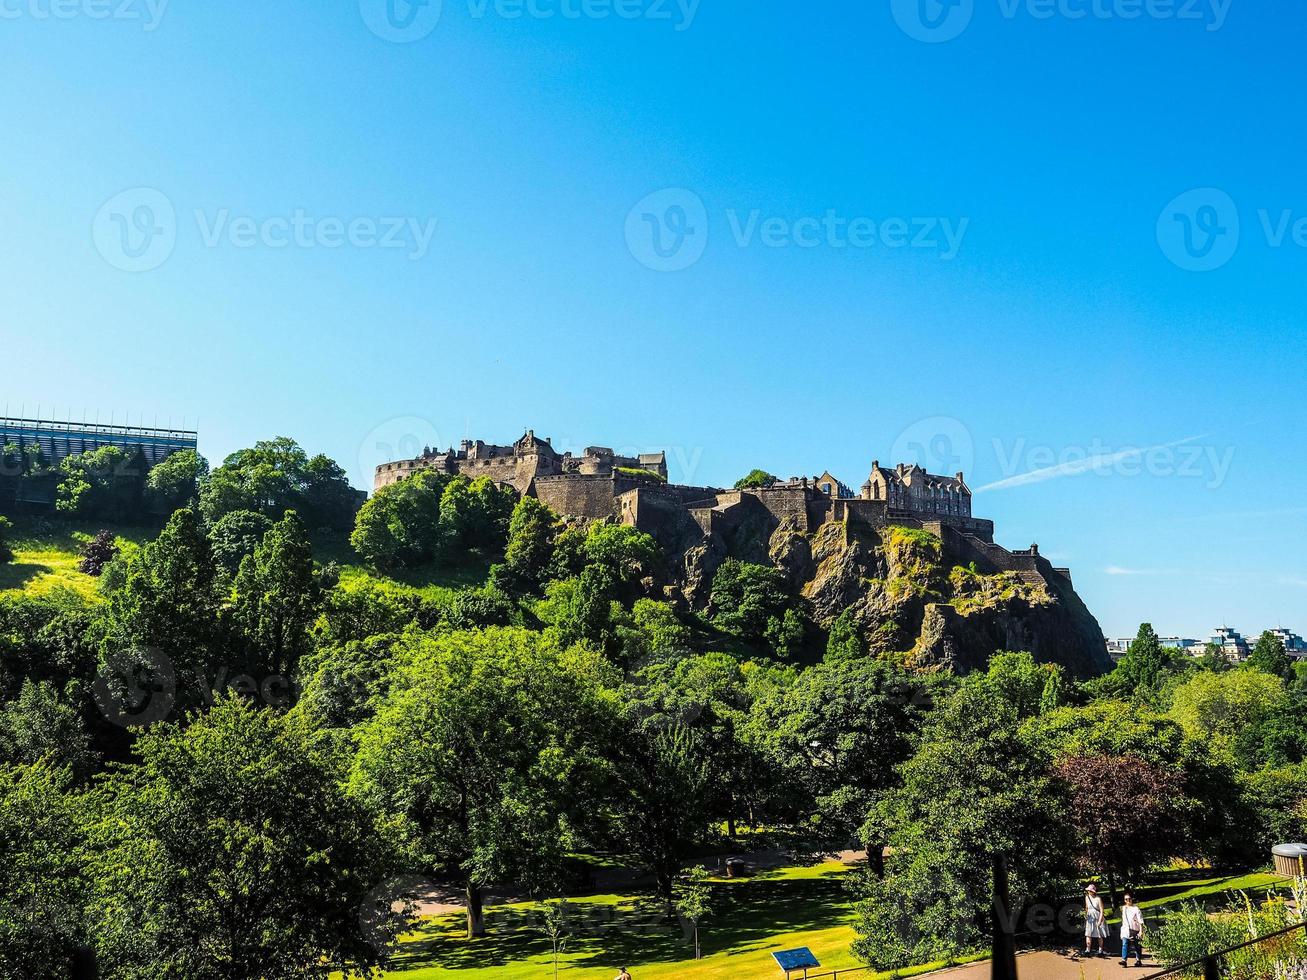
(602,485)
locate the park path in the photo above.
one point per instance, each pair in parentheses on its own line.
(1046,965)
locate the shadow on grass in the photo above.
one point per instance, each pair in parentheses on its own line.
(17,576)
(748,916)
(1212,886)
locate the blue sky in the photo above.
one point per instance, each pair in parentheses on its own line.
(791,236)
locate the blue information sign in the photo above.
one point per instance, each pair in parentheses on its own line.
(796,959)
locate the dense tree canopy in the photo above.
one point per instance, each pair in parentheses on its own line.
(487,693)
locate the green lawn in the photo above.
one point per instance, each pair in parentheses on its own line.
(798,906)
(753,917)
(48,551)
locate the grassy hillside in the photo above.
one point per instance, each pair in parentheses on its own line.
(48,551)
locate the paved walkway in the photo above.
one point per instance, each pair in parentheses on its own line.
(1044,965)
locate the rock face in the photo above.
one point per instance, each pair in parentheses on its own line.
(933,602)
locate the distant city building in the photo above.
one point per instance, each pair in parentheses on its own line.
(1294,644)
(59,440)
(1226,639)
(1231,643)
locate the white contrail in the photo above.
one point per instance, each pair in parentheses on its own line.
(1076,467)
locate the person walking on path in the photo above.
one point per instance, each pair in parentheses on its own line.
(1095,923)
(1132,930)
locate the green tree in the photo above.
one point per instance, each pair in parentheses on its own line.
(845,639)
(479,754)
(175,481)
(556,919)
(277,475)
(1021,682)
(6,550)
(750,601)
(40,724)
(627,554)
(399,526)
(532,533)
(234,536)
(475,514)
(755,478)
(1219,708)
(230,852)
(42,883)
(169,603)
(277,595)
(838,733)
(710,694)
(105,484)
(974,789)
(1270,656)
(661,800)
(694,902)
(1146,663)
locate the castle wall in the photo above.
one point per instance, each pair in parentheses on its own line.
(579,495)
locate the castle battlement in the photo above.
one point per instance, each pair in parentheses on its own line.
(600,484)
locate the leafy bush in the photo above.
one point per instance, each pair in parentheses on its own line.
(97,553)
(754,480)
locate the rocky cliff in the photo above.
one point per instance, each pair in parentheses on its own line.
(930,601)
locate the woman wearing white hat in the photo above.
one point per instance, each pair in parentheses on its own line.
(1095,922)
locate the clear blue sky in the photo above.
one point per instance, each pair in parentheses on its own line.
(1065,324)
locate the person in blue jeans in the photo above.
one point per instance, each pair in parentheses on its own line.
(1132,930)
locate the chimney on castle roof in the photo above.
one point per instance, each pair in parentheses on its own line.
(959,475)
(875,464)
